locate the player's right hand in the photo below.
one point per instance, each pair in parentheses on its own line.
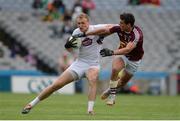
(100,40)
(79,35)
(71,43)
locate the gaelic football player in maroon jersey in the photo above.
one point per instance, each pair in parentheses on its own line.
(130,49)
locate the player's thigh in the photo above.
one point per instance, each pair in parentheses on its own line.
(118,64)
(132,66)
(79,68)
(65,78)
(92,74)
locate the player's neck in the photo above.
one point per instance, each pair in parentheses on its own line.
(85,30)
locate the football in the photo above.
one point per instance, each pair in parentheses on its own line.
(76,41)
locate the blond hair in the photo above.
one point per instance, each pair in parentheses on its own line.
(82,15)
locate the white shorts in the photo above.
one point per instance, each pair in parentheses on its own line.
(131,66)
(80,68)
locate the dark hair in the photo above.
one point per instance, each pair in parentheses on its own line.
(128,18)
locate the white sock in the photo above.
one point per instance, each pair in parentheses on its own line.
(34,102)
(90,105)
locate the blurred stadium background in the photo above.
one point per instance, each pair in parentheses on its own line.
(33,34)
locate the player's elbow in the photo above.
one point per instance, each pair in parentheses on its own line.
(101,31)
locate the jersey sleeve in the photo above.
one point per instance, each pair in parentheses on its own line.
(135,38)
(115,29)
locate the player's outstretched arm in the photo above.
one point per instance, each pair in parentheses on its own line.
(104,31)
(101,31)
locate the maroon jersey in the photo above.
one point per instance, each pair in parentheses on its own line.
(135,36)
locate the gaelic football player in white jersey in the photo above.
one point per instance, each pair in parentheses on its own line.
(86,65)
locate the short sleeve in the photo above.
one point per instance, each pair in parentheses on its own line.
(76,31)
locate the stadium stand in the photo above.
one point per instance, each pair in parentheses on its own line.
(161,28)
(7,63)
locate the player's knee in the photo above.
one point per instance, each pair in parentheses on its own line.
(115,70)
(92,82)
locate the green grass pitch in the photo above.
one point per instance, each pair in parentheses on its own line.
(67,107)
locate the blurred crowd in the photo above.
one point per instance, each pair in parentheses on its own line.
(145,2)
(57,10)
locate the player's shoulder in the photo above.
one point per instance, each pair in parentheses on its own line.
(76,31)
(137,30)
(137,27)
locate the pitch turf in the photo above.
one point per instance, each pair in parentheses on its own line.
(74,107)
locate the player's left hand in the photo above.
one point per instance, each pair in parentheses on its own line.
(79,35)
(106,52)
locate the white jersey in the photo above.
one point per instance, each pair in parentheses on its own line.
(89,50)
